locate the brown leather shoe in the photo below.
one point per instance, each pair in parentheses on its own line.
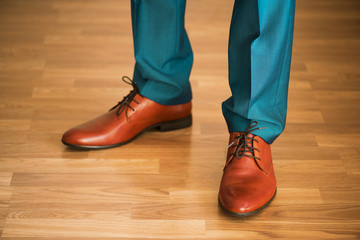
(248,183)
(128,119)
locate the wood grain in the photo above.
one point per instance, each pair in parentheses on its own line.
(61,63)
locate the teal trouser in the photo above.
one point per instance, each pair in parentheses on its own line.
(260,45)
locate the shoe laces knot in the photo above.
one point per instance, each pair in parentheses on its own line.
(244,146)
(125,103)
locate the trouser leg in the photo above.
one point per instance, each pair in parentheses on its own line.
(260,45)
(162,50)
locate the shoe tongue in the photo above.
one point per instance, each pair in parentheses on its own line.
(249,142)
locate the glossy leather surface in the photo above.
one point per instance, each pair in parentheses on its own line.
(248,184)
(109,129)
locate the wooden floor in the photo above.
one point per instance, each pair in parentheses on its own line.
(61,62)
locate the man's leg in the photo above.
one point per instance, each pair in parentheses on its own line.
(161,97)
(260,45)
(162,50)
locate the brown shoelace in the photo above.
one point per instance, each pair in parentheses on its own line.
(125,103)
(243,148)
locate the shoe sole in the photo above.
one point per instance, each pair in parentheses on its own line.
(163,127)
(247,214)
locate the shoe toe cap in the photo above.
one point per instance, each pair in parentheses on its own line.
(242,200)
(76,137)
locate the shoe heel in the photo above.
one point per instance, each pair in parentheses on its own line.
(176,124)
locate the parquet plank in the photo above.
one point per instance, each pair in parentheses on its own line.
(61,63)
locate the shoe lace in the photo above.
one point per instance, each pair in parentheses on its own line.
(243,148)
(125,103)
